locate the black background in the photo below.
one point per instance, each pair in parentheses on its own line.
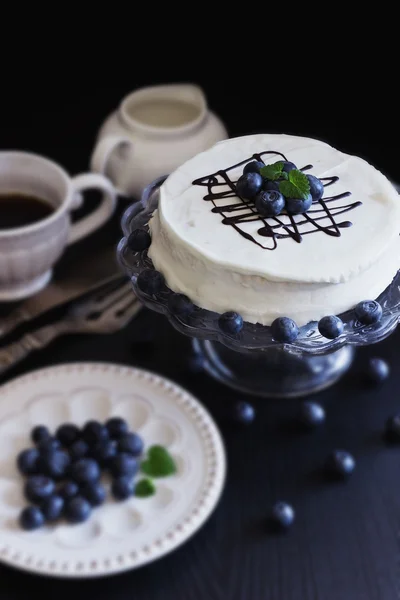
(345,541)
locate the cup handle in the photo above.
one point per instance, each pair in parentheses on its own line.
(104,149)
(96,219)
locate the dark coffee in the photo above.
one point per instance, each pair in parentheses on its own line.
(19,210)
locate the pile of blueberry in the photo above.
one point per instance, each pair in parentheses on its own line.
(63,471)
(279,187)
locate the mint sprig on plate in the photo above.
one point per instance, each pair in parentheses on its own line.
(297,185)
(159,462)
(145,488)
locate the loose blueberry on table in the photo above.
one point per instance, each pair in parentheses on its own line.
(244,412)
(340,464)
(282,516)
(378,370)
(63,472)
(311,414)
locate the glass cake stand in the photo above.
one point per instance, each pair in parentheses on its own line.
(251,361)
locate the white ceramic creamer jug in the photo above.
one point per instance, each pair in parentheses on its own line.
(153,131)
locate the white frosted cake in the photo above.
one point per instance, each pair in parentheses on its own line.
(217,249)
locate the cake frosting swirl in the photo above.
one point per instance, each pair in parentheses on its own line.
(345,249)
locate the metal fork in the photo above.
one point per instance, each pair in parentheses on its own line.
(106,311)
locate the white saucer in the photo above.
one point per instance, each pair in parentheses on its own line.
(118,535)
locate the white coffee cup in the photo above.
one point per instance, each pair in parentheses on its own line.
(28,253)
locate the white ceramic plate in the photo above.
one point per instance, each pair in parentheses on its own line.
(118,535)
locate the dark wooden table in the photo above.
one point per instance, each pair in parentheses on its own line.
(344,544)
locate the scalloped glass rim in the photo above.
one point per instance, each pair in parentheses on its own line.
(203,324)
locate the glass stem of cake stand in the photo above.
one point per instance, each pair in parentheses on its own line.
(274,372)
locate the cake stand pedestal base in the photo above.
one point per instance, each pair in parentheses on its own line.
(273,373)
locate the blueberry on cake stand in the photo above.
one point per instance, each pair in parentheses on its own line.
(247,356)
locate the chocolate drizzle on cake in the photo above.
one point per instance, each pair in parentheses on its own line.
(280,227)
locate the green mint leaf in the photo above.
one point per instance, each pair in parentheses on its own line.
(288,190)
(159,462)
(297,185)
(145,488)
(273,171)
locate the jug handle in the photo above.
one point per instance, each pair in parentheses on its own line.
(103,150)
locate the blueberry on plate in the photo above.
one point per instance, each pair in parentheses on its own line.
(39,434)
(78,449)
(248,185)
(94,432)
(179,304)
(150,281)
(103,452)
(54,464)
(77,510)
(282,515)
(123,464)
(269,203)
(230,322)
(244,412)
(253,167)
(298,206)
(38,487)
(48,446)
(331,327)
(311,414)
(288,166)
(68,489)
(122,488)
(139,240)
(116,427)
(28,461)
(52,507)
(85,470)
(368,312)
(316,187)
(94,493)
(30,518)
(284,330)
(340,464)
(131,443)
(67,434)
(378,370)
